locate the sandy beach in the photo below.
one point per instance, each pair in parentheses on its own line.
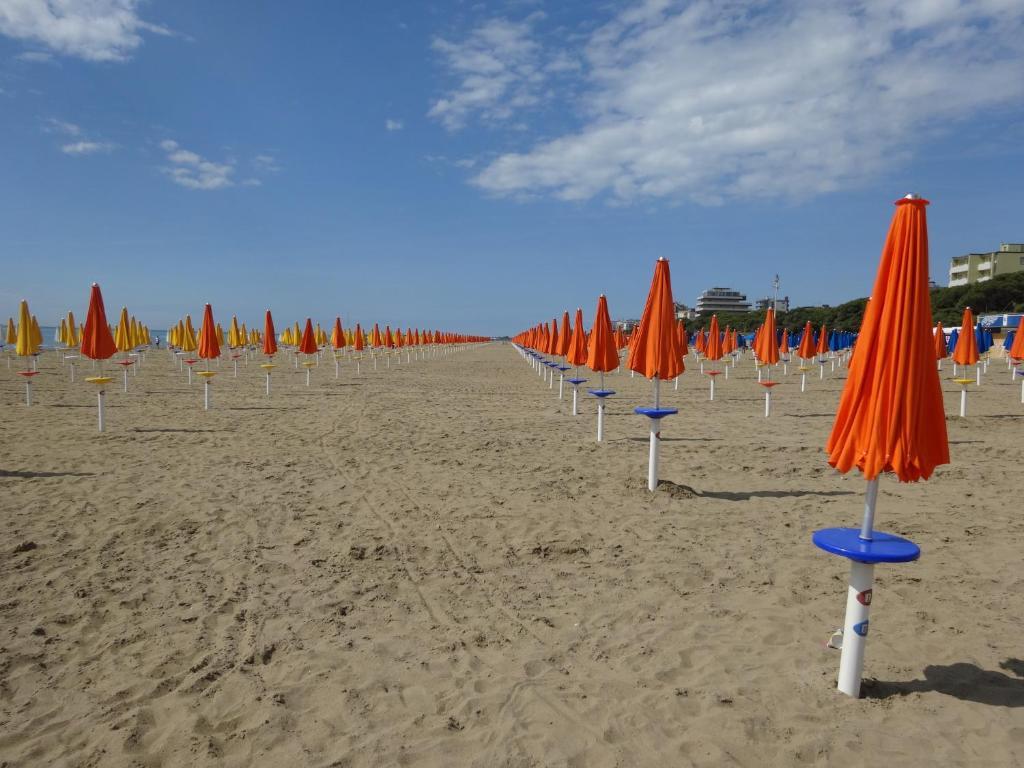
(437,565)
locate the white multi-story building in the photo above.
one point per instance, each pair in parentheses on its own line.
(721,300)
(979,267)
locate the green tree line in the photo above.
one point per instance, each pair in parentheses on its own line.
(1004,293)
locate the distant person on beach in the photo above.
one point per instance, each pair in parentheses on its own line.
(157,338)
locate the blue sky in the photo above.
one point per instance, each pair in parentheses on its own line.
(481,167)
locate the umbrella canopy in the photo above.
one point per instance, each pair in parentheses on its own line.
(1017,348)
(269,336)
(389,340)
(655,350)
(940,342)
(682,335)
(567,334)
(25,343)
(602,353)
(12,331)
(784,344)
(97,341)
(358,344)
(890,416)
(766,347)
(307,344)
(822,348)
(123,335)
(209,348)
(713,348)
(337,335)
(576,349)
(966,350)
(188,341)
(806,348)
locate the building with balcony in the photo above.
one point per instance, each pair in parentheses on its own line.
(781,305)
(979,267)
(721,300)
(683,312)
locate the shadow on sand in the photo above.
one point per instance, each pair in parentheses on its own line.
(964,681)
(29,474)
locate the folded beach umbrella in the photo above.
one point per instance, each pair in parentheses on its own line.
(208,348)
(713,351)
(375,337)
(966,350)
(97,344)
(940,344)
(389,340)
(654,353)
(784,343)
(682,338)
(890,416)
(123,342)
(822,348)
(337,335)
(307,346)
(25,345)
(1017,346)
(12,331)
(806,348)
(602,356)
(566,336)
(188,337)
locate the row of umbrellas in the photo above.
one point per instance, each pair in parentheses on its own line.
(890,418)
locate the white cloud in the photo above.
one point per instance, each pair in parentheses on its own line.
(192,171)
(35,57)
(53,125)
(95,30)
(86,147)
(499,69)
(710,101)
(393,125)
(266,163)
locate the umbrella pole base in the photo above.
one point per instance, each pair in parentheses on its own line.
(963,403)
(206,395)
(600,421)
(575,401)
(652,462)
(99,409)
(855,627)
(561,382)
(767,403)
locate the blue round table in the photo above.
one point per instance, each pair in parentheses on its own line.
(655,413)
(883,548)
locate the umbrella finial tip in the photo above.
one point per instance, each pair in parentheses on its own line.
(912,196)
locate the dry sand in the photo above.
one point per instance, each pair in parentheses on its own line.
(436,565)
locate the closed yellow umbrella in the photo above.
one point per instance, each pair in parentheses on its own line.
(12,331)
(188,340)
(133,332)
(74,337)
(123,334)
(37,336)
(23,340)
(62,331)
(26,347)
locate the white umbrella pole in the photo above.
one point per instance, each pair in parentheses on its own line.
(72,373)
(767,402)
(307,377)
(561,380)
(268,383)
(712,397)
(99,408)
(803,381)
(206,394)
(337,368)
(190,375)
(1022,390)
(575,394)
(28,391)
(236,368)
(126,378)
(652,460)
(963,401)
(977,371)
(600,418)
(858,606)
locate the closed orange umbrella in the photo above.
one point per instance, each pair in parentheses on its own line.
(713,348)
(307,345)
(357,342)
(602,357)
(337,335)
(269,336)
(654,353)
(97,341)
(684,347)
(966,350)
(576,348)
(805,350)
(655,350)
(940,344)
(208,346)
(1017,348)
(767,350)
(822,349)
(553,342)
(890,416)
(375,337)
